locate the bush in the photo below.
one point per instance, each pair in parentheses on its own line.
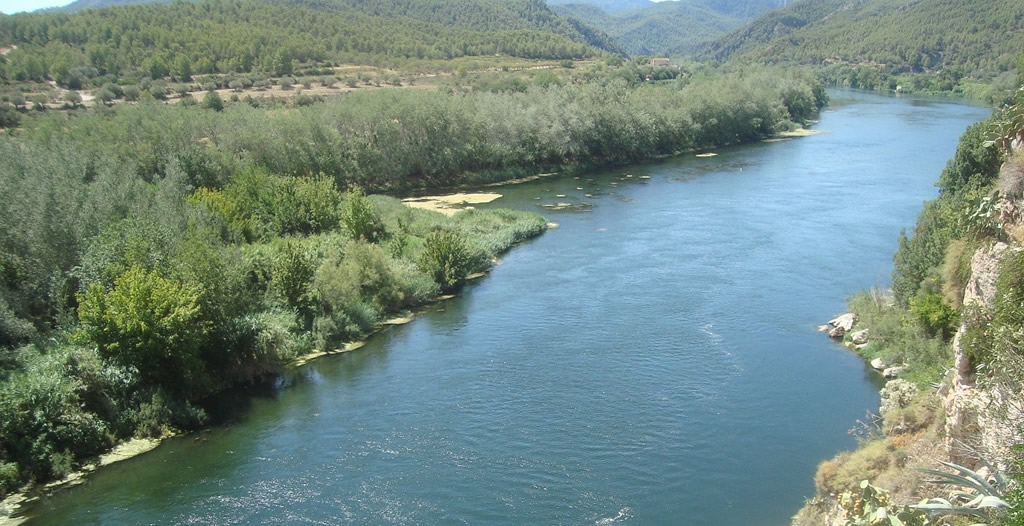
(447,259)
(845,472)
(150,324)
(42,422)
(938,318)
(293,270)
(10,478)
(212,101)
(359,217)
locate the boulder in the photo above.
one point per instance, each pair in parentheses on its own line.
(877,364)
(842,324)
(860,337)
(893,372)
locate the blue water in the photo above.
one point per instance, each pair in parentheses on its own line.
(653,360)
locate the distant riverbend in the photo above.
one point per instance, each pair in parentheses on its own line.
(653,360)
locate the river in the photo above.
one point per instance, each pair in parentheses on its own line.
(653,360)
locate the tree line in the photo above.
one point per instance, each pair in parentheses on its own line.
(231,36)
(153,255)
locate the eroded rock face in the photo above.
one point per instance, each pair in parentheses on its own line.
(860,337)
(968,409)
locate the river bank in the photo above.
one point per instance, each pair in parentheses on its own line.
(423,410)
(952,393)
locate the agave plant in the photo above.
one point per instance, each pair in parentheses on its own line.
(983,500)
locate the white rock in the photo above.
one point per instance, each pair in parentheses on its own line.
(893,372)
(878,364)
(860,337)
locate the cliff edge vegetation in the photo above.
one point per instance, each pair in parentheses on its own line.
(946,446)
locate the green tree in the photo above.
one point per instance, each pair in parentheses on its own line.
(212,101)
(151,324)
(447,259)
(359,217)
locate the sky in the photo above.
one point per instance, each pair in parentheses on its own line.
(14,6)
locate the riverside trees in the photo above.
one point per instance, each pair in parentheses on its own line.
(155,254)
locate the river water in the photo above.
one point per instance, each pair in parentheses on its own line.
(653,360)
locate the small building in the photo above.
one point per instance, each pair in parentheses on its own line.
(658,61)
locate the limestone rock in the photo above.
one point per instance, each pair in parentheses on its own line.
(841,325)
(893,372)
(877,364)
(860,337)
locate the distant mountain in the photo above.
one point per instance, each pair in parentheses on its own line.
(608,6)
(79,5)
(980,37)
(676,28)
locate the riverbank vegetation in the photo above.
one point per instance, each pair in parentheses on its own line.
(156,254)
(953,320)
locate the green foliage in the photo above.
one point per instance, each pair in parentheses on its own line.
(150,324)
(899,338)
(293,270)
(666,29)
(220,36)
(963,183)
(871,506)
(946,35)
(359,217)
(996,336)
(212,101)
(974,165)
(447,259)
(45,421)
(935,315)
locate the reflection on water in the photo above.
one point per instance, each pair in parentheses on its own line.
(652,359)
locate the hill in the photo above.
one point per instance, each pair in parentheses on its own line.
(608,6)
(675,28)
(222,36)
(79,5)
(478,15)
(976,38)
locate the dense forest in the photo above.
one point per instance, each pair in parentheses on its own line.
(225,36)
(978,39)
(155,254)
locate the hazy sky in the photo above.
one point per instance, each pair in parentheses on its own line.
(14,6)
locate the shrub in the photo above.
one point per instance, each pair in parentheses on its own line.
(212,101)
(293,271)
(150,324)
(937,317)
(845,472)
(9,477)
(359,217)
(42,421)
(447,259)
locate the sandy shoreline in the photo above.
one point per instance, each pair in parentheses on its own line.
(450,204)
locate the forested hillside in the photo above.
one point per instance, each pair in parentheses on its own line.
(609,6)
(222,36)
(79,5)
(674,28)
(970,38)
